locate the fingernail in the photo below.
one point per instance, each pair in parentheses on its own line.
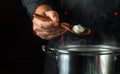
(55,18)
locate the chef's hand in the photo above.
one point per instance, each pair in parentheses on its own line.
(47,30)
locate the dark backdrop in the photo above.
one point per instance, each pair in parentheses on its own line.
(20,50)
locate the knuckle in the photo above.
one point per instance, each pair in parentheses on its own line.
(33,20)
(34,28)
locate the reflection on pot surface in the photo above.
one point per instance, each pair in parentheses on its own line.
(86,59)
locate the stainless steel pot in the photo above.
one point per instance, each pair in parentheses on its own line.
(86,59)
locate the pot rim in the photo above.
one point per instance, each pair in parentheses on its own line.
(89,49)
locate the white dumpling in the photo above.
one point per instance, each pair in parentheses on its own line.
(78,28)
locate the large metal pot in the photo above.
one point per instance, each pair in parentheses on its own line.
(86,59)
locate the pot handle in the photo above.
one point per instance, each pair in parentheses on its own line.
(49,51)
(46,49)
(116,54)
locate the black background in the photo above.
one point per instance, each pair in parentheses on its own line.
(20,49)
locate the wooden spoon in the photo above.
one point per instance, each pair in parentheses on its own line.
(66,26)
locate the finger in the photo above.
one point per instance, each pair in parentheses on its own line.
(44,24)
(49,35)
(41,29)
(55,35)
(57,29)
(36,28)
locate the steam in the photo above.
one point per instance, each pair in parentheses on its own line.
(96,13)
(109,40)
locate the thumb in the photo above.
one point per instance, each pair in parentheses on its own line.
(53,15)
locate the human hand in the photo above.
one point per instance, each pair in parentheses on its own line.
(47,30)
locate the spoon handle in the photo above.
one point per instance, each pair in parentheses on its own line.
(42,17)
